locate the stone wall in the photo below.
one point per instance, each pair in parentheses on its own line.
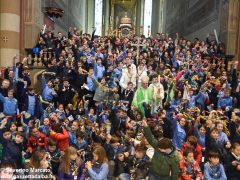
(192,18)
(197,18)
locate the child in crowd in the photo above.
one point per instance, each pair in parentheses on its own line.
(54,154)
(163,152)
(213,169)
(197,150)
(36,140)
(10,105)
(81,144)
(45,128)
(61,135)
(200,132)
(71,166)
(72,132)
(60,112)
(189,168)
(13,129)
(12,150)
(99,168)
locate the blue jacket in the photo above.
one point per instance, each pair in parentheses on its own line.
(47,92)
(98,71)
(201,98)
(200,137)
(45,129)
(214,172)
(90,84)
(72,138)
(192,102)
(26,104)
(179,134)
(83,145)
(99,173)
(10,106)
(118,73)
(224,102)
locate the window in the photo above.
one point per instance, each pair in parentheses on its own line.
(147,18)
(98,16)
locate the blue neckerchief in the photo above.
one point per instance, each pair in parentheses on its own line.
(216,174)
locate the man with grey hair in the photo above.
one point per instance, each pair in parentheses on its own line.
(143,97)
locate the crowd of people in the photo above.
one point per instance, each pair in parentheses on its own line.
(112,109)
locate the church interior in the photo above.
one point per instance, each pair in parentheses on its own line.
(24,19)
(120,89)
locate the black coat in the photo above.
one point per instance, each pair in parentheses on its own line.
(65,97)
(231,170)
(213,145)
(12,152)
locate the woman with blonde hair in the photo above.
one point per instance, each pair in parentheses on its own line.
(98,169)
(70,167)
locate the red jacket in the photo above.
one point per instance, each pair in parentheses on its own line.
(184,175)
(62,139)
(35,142)
(197,152)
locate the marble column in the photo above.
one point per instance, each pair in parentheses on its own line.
(155,17)
(9,31)
(84,15)
(140,15)
(106,13)
(90,15)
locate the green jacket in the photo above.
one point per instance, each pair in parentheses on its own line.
(162,164)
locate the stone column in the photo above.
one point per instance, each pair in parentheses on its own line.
(33,22)
(90,15)
(232,26)
(84,15)
(106,13)
(155,17)
(238,43)
(140,15)
(9,31)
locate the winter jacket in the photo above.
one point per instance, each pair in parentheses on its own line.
(197,152)
(162,164)
(184,174)
(12,152)
(62,139)
(35,142)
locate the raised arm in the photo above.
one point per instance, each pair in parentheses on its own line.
(3,141)
(149,136)
(44,83)
(95,82)
(2,98)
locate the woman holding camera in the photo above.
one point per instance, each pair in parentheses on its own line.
(98,170)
